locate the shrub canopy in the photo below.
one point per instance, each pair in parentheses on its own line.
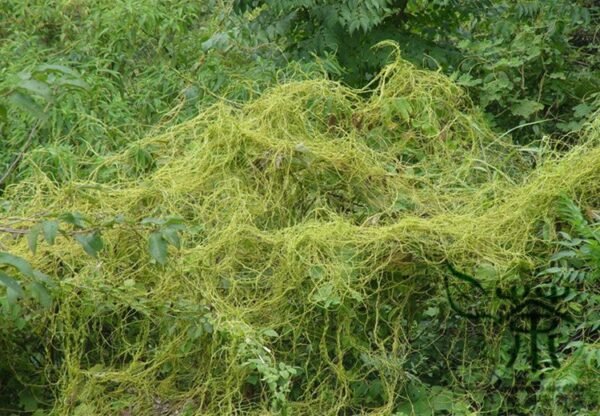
(316,222)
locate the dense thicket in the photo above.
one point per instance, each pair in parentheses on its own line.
(80,80)
(199,217)
(524,62)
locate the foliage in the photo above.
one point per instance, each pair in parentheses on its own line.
(524,62)
(308,278)
(196,220)
(45,83)
(578,264)
(104,73)
(534,61)
(27,297)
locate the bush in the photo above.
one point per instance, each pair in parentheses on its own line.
(285,256)
(527,63)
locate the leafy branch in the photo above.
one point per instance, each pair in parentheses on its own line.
(34,93)
(164,232)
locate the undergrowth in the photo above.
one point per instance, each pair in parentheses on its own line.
(532,64)
(138,65)
(309,278)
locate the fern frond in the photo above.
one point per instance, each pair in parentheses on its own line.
(571,213)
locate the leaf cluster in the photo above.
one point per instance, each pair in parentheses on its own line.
(531,63)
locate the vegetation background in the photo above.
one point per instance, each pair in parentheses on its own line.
(245,207)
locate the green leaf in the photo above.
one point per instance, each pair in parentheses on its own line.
(207,326)
(152,220)
(157,247)
(17,262)
(41,277)
(91,243)
(56,68)
(36,87)
(582,110)
(442,399)
(117,219)
(32,237)
(525,108)
(327,296)
(563,254)
(27,104)
(75,219)
(270,333)
(252,379)
(316,272)
(467,80)
(175,222)
(558,75)
(74,83)
(171,235)
(11,284)
(554,270)
(402,105)
(28,400)
(219,41)
(41,294)
(50,229)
